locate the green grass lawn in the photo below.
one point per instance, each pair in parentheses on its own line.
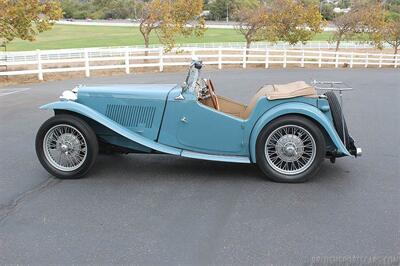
(71,36)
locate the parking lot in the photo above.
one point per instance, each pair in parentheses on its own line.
(167,210)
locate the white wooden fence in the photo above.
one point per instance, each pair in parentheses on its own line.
(128,59)
(282,45)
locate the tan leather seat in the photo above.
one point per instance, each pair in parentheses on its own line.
(272,92)
(280,91)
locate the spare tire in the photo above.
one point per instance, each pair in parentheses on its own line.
(339,121)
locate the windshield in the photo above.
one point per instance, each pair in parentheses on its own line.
(192,76)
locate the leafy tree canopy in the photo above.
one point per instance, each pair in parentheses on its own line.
(170,19)
(26,19)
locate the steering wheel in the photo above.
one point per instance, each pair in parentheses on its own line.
(211,90)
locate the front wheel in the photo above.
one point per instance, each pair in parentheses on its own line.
(290,149)
(66,146)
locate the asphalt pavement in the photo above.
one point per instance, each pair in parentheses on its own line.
(167,210)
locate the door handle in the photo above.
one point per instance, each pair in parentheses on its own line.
(184,120)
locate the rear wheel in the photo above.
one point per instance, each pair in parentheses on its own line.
(66,146)
(290,149)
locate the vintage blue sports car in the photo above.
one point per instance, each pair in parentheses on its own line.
(287,130)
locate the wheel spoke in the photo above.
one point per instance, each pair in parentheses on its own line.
(65,147)
(290,149)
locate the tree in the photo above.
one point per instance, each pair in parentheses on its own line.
(170,18)
(102,9)
(391,34)
(114,9)
(26,19)
(346,25)
(279,20)
(221,9)
(372,19)
(344,4)
(383,27)
(327,11)
(365,21)
(251,20)
(292,21)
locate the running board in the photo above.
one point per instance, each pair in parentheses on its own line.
(213,157)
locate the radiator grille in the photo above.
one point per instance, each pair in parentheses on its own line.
(131,115)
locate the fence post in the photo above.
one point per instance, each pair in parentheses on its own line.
(40,68)
(266,58)
(220,58)
(127,69)
(396,60)
(87,66)
(284,58)
(244,57)
(380,61)
(320,59)
(366,60)
(337,60)
(351,59)
(161,55)
(302,58)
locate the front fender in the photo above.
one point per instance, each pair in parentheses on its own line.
(100,118)
(295,108)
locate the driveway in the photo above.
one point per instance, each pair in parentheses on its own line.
(166,210)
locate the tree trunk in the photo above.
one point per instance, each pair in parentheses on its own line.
(248,45)
(338,44)
(146,43)
(145,30)
(396,49)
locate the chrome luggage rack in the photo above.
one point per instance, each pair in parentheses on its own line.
(331,85)
(335,86)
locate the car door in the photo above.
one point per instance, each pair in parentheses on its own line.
(190,125)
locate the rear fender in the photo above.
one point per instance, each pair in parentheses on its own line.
(100,118)
(296,108)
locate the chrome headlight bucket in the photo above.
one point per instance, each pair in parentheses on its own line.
(70,95)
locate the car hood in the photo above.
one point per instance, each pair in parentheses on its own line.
(136,91)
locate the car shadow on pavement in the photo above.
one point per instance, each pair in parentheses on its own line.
(143,166)
(140,166)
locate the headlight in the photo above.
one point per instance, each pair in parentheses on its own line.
(68,96)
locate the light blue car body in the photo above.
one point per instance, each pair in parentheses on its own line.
(156,118)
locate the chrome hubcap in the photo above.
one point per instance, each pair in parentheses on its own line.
(290,149)
(65,147)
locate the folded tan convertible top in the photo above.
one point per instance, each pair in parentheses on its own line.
(289,90)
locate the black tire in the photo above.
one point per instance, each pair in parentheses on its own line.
(87,133)
(338,121)
(320,149)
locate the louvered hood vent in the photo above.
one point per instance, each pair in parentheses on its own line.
(131,115)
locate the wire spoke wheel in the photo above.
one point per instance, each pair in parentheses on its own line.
(290,149)
(65,147)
